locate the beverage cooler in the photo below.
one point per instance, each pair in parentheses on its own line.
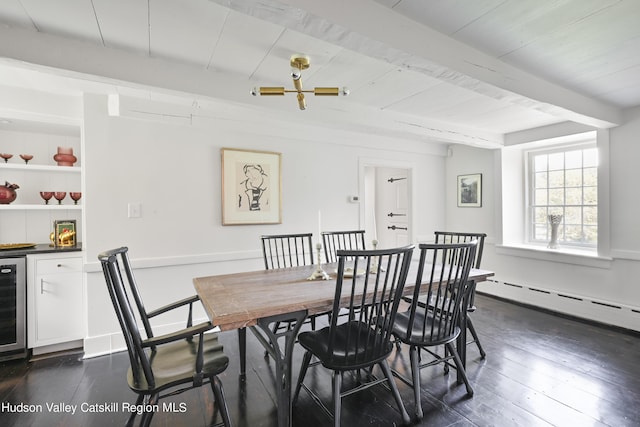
(13,290)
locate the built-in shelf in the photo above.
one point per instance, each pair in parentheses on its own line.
(25,207)
(40,168)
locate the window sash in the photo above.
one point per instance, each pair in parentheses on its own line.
(562,182)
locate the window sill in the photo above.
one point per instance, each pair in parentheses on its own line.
(561,255)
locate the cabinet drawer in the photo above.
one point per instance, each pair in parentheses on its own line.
(60,265)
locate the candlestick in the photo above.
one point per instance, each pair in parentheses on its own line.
(319,273)
(374,266)
(319,227)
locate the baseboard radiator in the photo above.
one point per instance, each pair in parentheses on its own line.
(605,312)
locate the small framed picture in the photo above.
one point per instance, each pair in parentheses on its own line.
(251,187)
(64,232)
(470,190)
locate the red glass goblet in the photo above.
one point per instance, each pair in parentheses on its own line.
(75,195)
(46,195)
(26,157)
(59,195)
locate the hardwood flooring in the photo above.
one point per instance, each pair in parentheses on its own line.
(540,370)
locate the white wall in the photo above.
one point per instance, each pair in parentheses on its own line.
(601,289)
(173,170)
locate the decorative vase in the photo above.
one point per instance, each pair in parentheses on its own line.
(554,221)
(8,193)
(65,156)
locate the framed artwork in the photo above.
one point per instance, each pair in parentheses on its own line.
(251,187)
(64,232)
(470,190)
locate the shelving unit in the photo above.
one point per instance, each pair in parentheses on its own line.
(29,218)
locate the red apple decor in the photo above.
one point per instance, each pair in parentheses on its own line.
(65,156)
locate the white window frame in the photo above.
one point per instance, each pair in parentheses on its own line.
(530,183)
(511,196)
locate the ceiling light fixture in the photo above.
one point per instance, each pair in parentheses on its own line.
(299,63)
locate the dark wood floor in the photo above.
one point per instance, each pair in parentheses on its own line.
(540,370)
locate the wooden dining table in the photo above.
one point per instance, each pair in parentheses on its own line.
(254,300)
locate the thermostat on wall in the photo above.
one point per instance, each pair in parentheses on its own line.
(354,199)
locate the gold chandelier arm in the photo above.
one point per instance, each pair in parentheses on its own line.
(297,83)
(326,91)
(271,91)
(301,103)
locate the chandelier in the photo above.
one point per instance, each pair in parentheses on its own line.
(299,63)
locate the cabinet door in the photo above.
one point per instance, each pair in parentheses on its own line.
(58,301)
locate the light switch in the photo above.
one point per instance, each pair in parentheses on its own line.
(134,210)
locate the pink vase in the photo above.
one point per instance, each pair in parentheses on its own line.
(65,156)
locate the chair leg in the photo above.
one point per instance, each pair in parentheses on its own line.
(394,390)
(306,359)
(218,393)
(414,358)
(474,334)
(460,367)
(146,417)
(337,398)
(242,347)
(132,417)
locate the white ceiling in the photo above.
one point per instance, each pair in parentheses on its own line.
(465,71)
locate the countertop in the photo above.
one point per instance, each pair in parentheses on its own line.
(41,248)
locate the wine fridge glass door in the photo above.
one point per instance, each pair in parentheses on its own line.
(13,304)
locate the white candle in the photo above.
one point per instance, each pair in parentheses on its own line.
(319,227)
(375,227)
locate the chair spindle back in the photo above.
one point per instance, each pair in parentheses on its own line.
(341,240)
(287,250)
(442,278)
(369,287)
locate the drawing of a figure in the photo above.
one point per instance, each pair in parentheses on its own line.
(253,186)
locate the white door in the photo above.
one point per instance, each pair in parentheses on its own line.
(392,207)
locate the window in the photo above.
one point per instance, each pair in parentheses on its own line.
(564,181)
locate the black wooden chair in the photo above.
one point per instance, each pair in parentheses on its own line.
(346,240)
(460,237)
(287,250)
(168,364)
(363,339)
(436,305)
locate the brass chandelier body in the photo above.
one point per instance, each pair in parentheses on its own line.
(298,64)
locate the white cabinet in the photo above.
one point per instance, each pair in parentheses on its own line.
(55,299)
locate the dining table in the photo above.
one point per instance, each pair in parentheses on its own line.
(255,300)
